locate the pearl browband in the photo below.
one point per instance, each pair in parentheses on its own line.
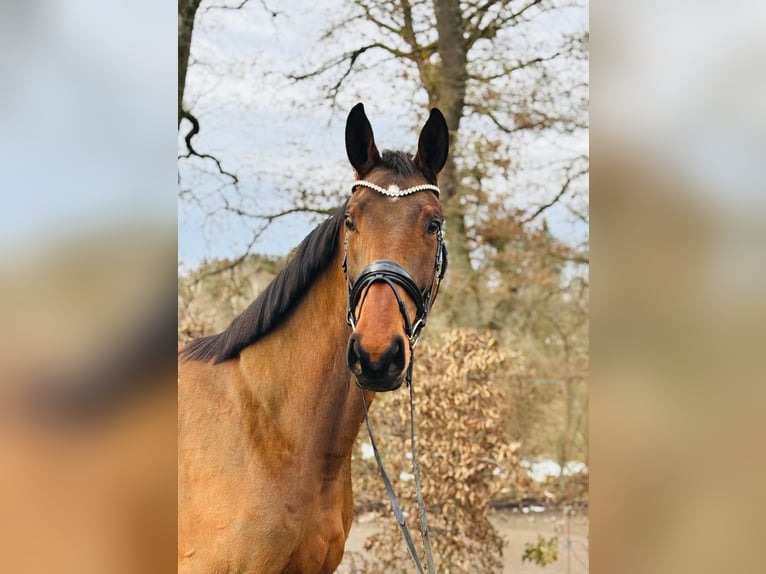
(393,190)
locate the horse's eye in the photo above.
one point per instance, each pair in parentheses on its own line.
(434,226)
(350,223)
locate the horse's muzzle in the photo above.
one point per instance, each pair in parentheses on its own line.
(385,373)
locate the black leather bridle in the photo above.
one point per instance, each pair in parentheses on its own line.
(392,274)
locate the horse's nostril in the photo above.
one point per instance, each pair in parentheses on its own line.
(397,358)
(353,359)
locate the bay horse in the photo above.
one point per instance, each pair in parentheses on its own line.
(268,410)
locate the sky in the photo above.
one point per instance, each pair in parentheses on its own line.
(246,106)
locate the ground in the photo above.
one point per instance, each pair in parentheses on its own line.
(517,529)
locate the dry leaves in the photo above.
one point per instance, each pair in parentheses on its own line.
(465,457)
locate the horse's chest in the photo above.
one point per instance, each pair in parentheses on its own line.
(285,543)
(315,527)
(319,551)
(254,501)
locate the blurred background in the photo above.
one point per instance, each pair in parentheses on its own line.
(679,300)
(88,182)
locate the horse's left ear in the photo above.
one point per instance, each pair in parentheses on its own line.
(433,145)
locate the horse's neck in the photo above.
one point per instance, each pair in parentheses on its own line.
(298,379)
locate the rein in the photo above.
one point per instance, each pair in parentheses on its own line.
(398,514)
(392,273)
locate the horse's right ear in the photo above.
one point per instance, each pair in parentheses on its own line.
(360,143)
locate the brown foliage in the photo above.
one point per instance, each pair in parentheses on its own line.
(465,456)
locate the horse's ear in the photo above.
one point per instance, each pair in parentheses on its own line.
(360,143)
(433,145)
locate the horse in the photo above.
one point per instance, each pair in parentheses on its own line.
(269,409)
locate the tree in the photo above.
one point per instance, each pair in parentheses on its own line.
(187,11)
(504,88)
(474,61)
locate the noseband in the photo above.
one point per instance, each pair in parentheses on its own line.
(392,274)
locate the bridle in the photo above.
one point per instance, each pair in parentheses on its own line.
(392,274)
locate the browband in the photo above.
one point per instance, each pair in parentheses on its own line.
(393,190)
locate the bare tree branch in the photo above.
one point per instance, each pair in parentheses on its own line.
(330,32)
(379,22)
(242,4)
(478,14)
(270,218)
(527,120)
(582,217)
(229,265)
(508,70)
(350,58)
(505,128)
(191,152)
(257,233)
(490,30)
(570,177)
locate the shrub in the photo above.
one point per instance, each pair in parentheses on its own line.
(464,453)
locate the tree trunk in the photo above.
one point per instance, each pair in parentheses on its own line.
(447,92)
(453,72)
(187,9)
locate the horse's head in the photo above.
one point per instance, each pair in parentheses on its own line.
(394,253)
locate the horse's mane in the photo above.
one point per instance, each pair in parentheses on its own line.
(312,256)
